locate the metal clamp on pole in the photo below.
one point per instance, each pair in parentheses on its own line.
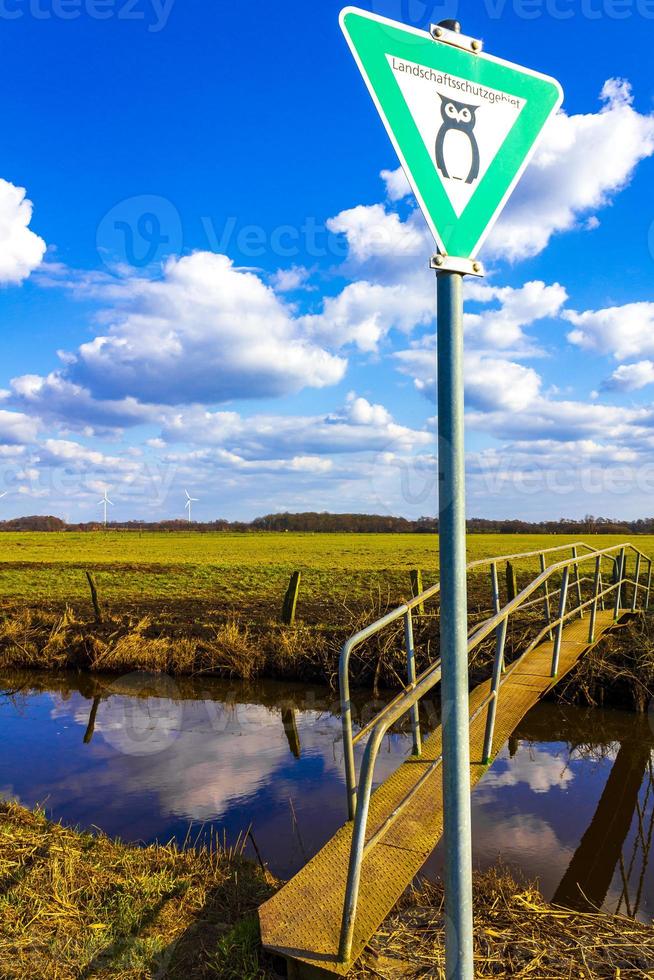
(449,32)
(450,263)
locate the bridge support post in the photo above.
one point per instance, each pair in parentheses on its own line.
(500,632)
(619,574)
(649,585)
(559,629)
(577,581)
(546,600)
(411,677)
(495,691)
(601,589)
(457,821)
(636,584)
(593,608)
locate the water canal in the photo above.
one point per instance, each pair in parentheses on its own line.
(569,800)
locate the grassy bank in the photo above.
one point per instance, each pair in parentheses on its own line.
(78,905)
(210,603)
(619,672)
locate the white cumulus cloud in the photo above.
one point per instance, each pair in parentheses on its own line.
(623,331)
(204,332)
(503,327)
(21,250)
(581,163)
(359,426)
(364,312)
(17,428)
(631,377)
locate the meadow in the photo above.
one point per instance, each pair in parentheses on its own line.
(243,573)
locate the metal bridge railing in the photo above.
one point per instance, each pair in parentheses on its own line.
(407,700)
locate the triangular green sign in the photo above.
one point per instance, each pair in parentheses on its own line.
(464,124)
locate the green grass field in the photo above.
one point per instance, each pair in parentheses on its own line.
(240,570)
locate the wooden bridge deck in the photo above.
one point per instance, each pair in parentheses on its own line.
(302,921)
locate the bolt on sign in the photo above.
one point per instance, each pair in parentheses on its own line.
(464,124)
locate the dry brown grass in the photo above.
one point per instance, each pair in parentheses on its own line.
(517,934)
(76,906)
(618,672)
(44,639)
(49,640)
(79,906)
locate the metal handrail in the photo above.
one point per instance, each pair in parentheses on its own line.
(407,699)
(364,634)
(529,554)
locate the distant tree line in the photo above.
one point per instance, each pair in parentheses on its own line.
(345,523)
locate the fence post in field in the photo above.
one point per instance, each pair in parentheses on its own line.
(417,589)
(290,599)
(511,581)
(94,596)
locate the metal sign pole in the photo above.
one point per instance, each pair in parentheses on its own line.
(501,135)
(454,627)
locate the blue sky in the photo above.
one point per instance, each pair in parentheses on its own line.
(214,278)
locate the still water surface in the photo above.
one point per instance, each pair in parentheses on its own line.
(569,800)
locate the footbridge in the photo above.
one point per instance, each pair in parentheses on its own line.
(321,921)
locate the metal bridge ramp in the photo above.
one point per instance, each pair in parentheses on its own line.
(302,921)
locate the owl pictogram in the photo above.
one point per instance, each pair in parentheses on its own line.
(459,120)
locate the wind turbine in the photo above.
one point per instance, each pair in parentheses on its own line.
(3,494)
(105,500)
(189,500)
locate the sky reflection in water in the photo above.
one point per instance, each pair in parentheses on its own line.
(561,802)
